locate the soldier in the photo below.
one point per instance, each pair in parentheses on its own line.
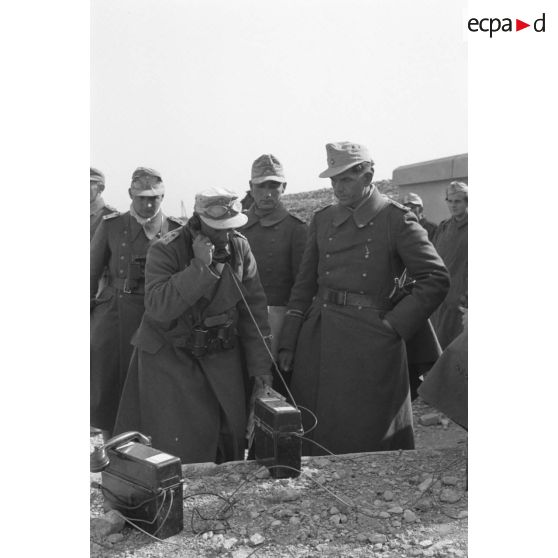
(120,244)
(451,243)
(277,239)
(97,207)
(350,365)
(198,341)
(414,203)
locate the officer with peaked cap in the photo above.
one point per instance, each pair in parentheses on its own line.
(97,206)
(414,203)
(452,245)
(198,345)
(120,244)
(344,331)
(277,239)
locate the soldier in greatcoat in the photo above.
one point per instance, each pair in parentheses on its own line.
(414,203)
(202,344)
(452,245)
(342,331)
(277,239)
(120,245)
(97,206)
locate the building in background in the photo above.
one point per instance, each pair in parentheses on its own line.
(429,180)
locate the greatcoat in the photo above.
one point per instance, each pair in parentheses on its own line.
(350,368)
(189,404)
(451,243)
(116,313)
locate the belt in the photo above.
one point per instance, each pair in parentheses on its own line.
(122,285)
(346,298)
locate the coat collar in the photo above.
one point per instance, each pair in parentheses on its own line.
(364,213)
(461,224)
(96,205)
(276,216)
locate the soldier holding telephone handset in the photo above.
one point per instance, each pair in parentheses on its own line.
(201,342)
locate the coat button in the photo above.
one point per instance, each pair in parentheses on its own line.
(324,305)
(368,240)
(330,238)
(328,255)
(327,272)
(366,256)
(359,307)
(365,274)
(371,224)
(123,244)
(121,272)
(121,257)
(361,292)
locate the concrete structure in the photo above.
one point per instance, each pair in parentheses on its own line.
(429,179)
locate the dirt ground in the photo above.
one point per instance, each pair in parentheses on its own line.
(385,504)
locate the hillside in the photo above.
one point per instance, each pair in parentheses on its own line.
(304,204)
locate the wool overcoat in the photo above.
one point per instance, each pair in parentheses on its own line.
(451,243)
(115,314)
(189,404)
(350,368)
(277,241)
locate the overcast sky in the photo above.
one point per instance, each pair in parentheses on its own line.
(199,89)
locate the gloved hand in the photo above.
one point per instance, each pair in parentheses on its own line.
(262,386)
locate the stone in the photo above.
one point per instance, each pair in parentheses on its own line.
(378,546)
(383,515)
(409,516)
(256,539)
(450,496)
(254,514)
(276,523)
(333,511)
(343,518)
(388,495)
(395,509)
(288,495)
(361,537)
(450,481)
(335,519)
(115,538)
(415,552)
(426,483)
(426,543)
(100,527)
(424,505)
(229,543)
(428,552)
(377,538)
(429,419)
(462,514)
(294,520)
(263,473)
(241,553)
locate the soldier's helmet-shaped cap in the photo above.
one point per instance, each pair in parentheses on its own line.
(96,176)
(220,208)
(412,199)
(147,182)
(342,156)
(267,167)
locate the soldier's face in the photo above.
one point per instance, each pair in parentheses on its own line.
(219,237)
(350,188)
(416,209)
(94,190)
(267,194)
(457,204)
(146,206)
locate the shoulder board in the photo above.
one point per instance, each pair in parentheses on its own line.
(323,208)
(297,219)
(170,236)
(240,235)
(398,205)
(176,220)
(111,215)
(111,209)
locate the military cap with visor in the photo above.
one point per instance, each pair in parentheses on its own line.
(96,176)
(267,167)
(147,182)
(220,208)
(343,155)
(412,199)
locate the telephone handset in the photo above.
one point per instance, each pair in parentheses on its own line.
(221,254)
(98,459)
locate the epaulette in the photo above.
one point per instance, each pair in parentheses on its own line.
(170,236)
(298,219)
(111,215)
(398,205)
(236,233)
(177,220)
(111,209)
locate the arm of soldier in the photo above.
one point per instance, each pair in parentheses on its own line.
(99,258)
(298,244)
(254,342)
(425,266)
(169,290)
(302,293)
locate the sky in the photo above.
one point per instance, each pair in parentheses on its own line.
(199,89)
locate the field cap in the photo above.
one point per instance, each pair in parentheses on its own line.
(412,199)
(147,182)
(220,208)
(342,156)
(456,187)
(267,167)
(96,176)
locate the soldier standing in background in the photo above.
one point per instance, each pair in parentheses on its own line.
(277,239)
(97,207)
(342,331)
(120,244)
(414,203)
(452,245)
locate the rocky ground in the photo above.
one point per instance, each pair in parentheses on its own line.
(391,504)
